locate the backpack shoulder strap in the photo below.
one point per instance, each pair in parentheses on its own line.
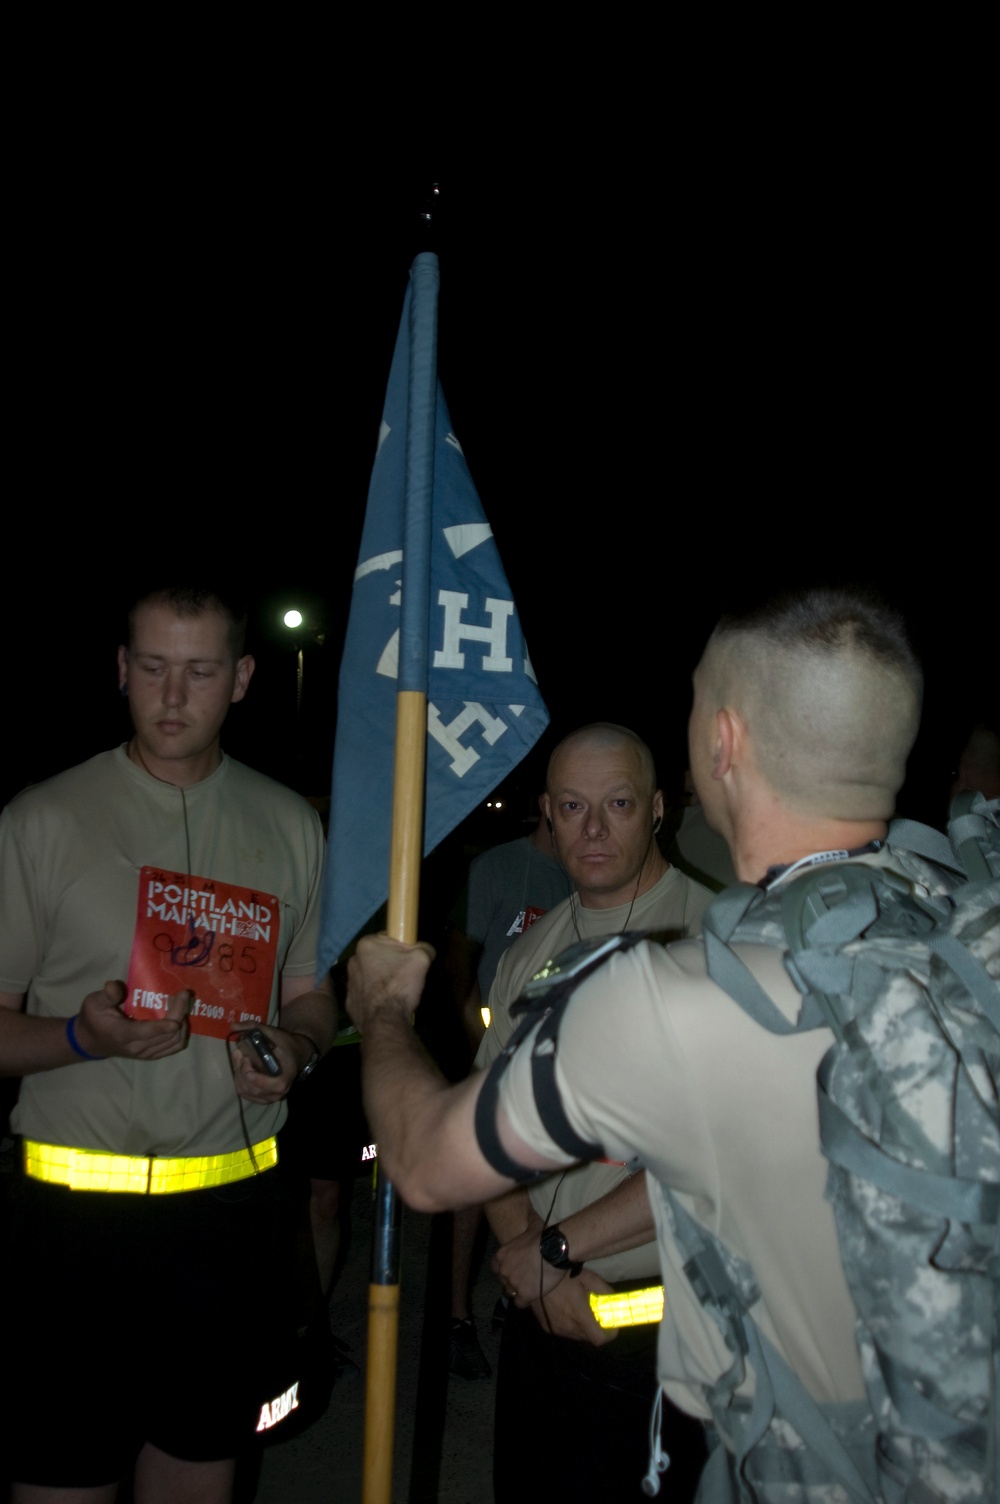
(745,913)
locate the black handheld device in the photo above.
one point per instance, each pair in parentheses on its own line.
(258,1041)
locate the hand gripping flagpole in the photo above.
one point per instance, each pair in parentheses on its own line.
(406,846)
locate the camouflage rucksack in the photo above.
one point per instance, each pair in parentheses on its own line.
(909,1112)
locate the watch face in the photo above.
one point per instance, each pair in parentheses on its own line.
(552,1246)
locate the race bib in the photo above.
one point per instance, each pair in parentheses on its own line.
(217,940)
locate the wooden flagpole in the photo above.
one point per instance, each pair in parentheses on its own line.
(407,839)
(383,1292)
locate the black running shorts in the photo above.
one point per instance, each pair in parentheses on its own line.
(130,1318)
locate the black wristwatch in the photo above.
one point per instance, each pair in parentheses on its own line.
(554,1248)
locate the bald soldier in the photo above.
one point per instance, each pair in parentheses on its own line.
(574,1395)
(804,713)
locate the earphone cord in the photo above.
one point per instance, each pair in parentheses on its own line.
(541,1261)
(231,1040)
(134,745)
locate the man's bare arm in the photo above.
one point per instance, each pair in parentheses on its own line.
(425,1128)
(29,1044)
(613,1224)
(511,1215)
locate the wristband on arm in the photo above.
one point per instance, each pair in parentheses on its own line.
(75,1044)
(314,1058)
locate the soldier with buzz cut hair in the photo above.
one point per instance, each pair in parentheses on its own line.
(804,713)
(154,1327)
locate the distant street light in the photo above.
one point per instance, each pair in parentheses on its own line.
(293,619)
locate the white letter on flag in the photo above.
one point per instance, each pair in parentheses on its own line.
(463,758)
(499,612)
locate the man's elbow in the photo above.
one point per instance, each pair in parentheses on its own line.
(420,1197)
(419,1182)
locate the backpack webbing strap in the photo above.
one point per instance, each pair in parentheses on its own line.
(972,845)
(919,1414)
(793,1401)
(925,841)
(970,834)
(970,972)
(831,907)
(777,1388)
(729,909)
(732,974)
(707,1276)
(974,831)
(947,1196)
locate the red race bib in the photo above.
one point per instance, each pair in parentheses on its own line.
(215,939)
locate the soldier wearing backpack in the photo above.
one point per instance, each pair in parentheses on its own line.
(841,952)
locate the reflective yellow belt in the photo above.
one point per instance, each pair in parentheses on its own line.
(93,1170)
(628,1308)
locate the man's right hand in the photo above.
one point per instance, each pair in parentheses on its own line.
(520,1267)
(566,1311)
(385,976)
(103,1029)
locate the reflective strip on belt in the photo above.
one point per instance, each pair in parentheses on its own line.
(93,1170)
(628,1308)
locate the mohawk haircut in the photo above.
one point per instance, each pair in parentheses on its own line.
(831,618)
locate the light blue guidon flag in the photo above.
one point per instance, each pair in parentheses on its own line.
(484,708)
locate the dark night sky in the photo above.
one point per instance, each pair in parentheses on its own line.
(673,385)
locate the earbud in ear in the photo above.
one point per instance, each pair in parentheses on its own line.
(656,824)
(549,824)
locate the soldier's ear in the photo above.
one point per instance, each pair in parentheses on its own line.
(244,673)
(727,740)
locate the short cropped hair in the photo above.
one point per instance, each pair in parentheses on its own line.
(606,734)
(196,600)
(830,688)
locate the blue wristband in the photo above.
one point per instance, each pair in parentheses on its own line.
(75,1043)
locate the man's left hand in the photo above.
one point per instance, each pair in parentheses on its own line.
(566,1311)
(292,1052)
